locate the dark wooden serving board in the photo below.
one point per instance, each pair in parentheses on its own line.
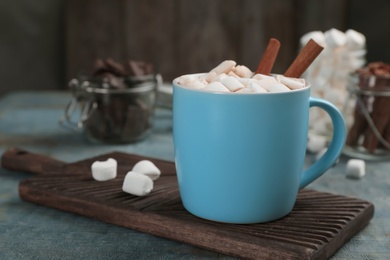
(318,226)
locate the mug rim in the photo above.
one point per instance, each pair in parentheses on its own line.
(176,84)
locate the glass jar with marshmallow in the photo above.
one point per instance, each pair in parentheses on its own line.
(344,53)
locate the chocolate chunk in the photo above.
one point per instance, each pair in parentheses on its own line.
(126,69)
(115,67)
(136,68)
(119,118)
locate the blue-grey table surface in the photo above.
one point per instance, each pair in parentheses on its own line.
(29,120)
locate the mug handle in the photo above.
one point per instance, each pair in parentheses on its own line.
(336,146)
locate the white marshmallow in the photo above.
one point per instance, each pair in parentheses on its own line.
(104,170)
(227,77)
(231,73)
(357,64)
(262,76)
(335,95)
(232,83)
(335,38)
(242,71)
(292,83)
(355,40)
(216,87)
(244,90)
(267,83)
(137,184)
(329,73)
(245,81)
(209,77)
(356,168)
(357,54)
(219,77)
(254,87)
(183,80)
(147,168)
(191,81)
(315,143)
(320,125)
(273,87)
(225,66)
(317,36)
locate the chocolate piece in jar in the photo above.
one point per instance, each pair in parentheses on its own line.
(115,67)
(139,68)
(119,118)
(137,120)
(110,72)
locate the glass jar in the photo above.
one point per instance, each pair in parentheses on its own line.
(367,114)
(111,114)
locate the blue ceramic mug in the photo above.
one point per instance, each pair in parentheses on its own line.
(240,156)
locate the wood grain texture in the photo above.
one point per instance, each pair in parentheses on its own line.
(254,34)
(318,226)
(321,15)
(20,160)
(94,29)
(181,36)
(150,31)
(280,23)
(208,34)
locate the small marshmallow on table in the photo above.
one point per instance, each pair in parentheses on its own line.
(139,181)
(147,168)
(356,169)
(104,170)
(137,184)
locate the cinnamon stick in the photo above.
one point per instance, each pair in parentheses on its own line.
(304,59)
(381,118)
(387,133)
(267,61)
(359,124)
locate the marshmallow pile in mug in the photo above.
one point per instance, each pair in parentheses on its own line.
(230,77)
(329,74)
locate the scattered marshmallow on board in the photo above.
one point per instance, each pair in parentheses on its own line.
(104,170)
(137,184)
(138,181)
(147,168)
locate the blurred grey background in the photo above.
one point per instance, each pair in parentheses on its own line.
(45,43)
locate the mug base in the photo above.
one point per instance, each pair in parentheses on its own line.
(244,221)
